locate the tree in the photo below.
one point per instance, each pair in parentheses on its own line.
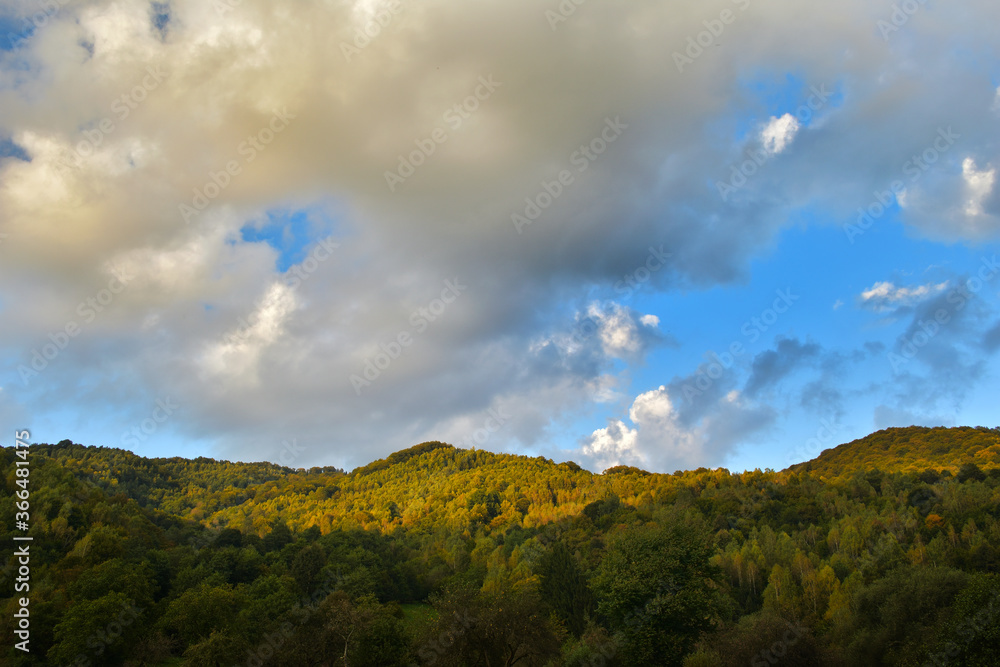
(502,627)
(94,629)
(100,544)
(895,616)
(781,594)
(228,537)
(116,575)
(970,471)
(763,639)
(197,612)
(366,633)
(656,587)
(306,566)
(972,635)
(564,589)
(215,651)
(236,566)
(279,536)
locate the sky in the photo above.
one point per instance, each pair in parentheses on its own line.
(667,234)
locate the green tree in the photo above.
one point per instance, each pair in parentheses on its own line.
(656,587)
(217,650)
(197,612)
(279,536)
(564,588)
(135,580)
(366,633)
(98,630)
(307,565)
(502,627)
(895,617)
(972,635)
(971,471)
(763,639)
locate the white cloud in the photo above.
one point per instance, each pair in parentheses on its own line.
(979,184)
(657,442)
(902,198)
(607,329)
(622,332)
(237,357)
(616,444)
(954,198)
(885,295)
(779,133)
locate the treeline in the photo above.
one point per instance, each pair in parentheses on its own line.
(443,556)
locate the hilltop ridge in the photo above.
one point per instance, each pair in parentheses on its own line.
(910,449)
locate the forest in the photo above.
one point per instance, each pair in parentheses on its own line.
(882,551)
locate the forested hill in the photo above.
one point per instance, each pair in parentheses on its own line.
(912,449)
(434,484)
(882,551)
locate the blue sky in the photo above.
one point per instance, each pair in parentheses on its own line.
(247,231)
(811,263)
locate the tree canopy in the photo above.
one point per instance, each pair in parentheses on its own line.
(880,551)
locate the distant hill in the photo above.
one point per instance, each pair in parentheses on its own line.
(912,449)
(434,483)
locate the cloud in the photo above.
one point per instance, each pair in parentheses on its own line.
(697,420)
(957,198)
(979,184)
(125,117)
(615,444)
(603,332)
(238,354)
(885,296)
(624,334)
(936,361)
(772,366)
(779,133)
(656,440)
(991,339)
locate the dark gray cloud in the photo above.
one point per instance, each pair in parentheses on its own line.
(772,366)
(991,339)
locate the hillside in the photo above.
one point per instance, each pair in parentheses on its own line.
(912,449)
(871,557)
